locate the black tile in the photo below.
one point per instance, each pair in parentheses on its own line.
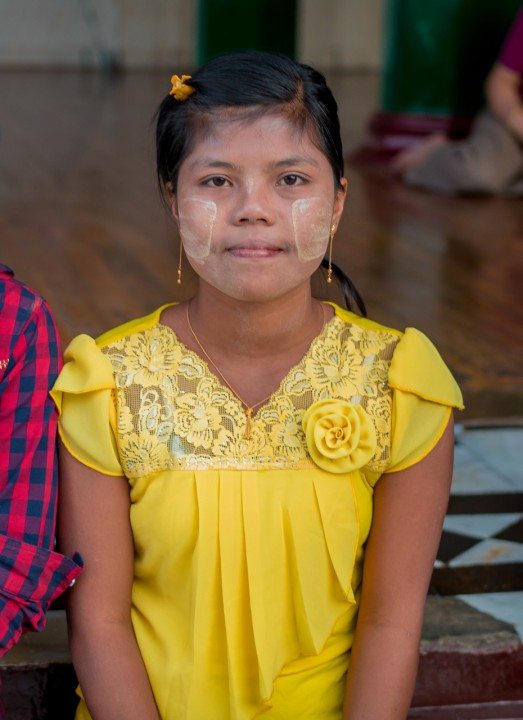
(480,504)
(514,532)
(453,544)
(477,579)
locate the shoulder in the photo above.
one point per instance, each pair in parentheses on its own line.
(17,300)
(25,316)
(130,328)
(511,53)
(363,323)
(91,363)
(361,336)
(414,364)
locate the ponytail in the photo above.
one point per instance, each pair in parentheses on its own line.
(350,294)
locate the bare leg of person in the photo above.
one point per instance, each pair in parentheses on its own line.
(418,154)
(489,161)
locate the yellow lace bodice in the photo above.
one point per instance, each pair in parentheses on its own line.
(173,412)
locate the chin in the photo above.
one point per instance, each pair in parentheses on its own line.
(253,292)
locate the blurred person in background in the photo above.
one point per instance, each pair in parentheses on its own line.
(490,160)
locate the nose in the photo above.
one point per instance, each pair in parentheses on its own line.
(254,204)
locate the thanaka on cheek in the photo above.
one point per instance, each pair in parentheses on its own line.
(196,218)
(311,219)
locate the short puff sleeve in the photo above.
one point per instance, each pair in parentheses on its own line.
(424,393)
(84,396)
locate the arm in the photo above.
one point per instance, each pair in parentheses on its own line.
(31,574)
(408,514)
(504,99)
(94,519)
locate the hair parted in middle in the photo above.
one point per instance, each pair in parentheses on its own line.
(246,85)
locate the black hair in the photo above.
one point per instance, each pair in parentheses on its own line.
(255,82)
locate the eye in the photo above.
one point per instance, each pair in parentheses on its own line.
(216,181)
(291,180)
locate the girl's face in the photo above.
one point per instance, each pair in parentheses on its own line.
(255,204)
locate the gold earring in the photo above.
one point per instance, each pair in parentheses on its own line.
(329,269)
(179,280)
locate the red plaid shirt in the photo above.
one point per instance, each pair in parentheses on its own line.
(31,573)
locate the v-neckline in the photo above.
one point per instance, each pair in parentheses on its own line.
(225,388)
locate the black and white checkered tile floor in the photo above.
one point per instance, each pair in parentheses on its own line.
(480,558)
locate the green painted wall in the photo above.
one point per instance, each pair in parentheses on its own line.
(438,53)
(245,25)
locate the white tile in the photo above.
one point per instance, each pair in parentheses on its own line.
(500,449)
(480,526)
(473,477)
(490,552)
(505,606)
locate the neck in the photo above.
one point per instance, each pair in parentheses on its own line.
(254,329)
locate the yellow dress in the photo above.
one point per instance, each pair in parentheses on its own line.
(249,539)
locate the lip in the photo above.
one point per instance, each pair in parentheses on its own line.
(254,249)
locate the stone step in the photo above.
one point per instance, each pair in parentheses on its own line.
(475,711)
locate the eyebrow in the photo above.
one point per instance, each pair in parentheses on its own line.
(223,165)
(296,160)
(212,163)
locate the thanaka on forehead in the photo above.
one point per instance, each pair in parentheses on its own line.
(206,123)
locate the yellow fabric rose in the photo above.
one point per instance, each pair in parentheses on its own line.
(340,436)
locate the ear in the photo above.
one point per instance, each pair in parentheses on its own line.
(339,202)
(172,200)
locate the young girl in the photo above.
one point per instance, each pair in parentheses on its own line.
(231,460)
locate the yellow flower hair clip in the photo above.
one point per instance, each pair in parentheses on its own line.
(180,90)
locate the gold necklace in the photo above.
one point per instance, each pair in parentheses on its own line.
(249,409)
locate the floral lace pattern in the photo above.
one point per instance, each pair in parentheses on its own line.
(173,412)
